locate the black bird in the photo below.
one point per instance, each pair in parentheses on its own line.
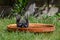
(22,21)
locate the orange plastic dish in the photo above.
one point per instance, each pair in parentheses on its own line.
(33,27)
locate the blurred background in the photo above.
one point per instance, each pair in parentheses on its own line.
(8,8)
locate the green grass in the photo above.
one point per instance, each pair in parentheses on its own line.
(5,35)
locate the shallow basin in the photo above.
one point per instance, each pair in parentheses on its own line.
(33,27)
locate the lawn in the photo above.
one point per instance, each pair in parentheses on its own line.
(5,35)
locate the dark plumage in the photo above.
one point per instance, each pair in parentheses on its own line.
(22,21)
